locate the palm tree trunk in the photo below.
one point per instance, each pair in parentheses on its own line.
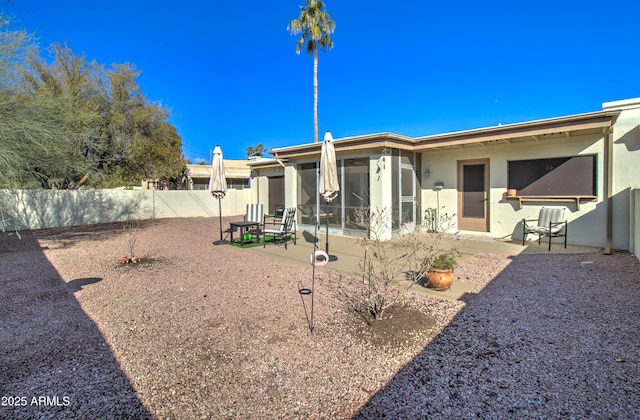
(315,95)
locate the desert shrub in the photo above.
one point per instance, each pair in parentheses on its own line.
(387,264)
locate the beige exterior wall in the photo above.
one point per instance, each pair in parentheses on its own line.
(260,184)
(586,225)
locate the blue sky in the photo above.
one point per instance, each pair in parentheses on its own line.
(229,73)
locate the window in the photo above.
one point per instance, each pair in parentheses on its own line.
(237,184)
(563,176)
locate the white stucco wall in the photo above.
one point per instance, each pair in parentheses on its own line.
(39,209)
(635,222)
(198,203)
(291,186)
(626,166)
(380,195)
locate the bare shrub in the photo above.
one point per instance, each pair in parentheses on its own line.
(389,263)
(130,229)
(6,220)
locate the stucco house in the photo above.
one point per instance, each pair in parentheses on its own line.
(588,163)
(237,173)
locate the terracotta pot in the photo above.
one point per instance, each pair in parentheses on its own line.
(439,279)
(511,192)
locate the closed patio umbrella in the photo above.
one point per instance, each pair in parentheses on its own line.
(218,184)
(329,185)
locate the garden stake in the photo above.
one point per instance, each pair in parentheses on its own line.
(304,291)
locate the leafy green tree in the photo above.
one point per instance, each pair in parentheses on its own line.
(75,87)
(154,151)
(67,122)
(146,145)
(34,147)
(315,26)
(15,46)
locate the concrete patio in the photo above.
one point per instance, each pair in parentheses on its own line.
(349,253)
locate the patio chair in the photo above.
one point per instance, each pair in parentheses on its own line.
(550,223)
(285,230)
(255,213)
(278,216)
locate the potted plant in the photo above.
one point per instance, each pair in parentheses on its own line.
(440,268)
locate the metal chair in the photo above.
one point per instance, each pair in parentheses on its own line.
(285,230)
(278,215)
(550,223)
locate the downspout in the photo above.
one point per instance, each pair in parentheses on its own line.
(608,187)
(277,159)
(257,181)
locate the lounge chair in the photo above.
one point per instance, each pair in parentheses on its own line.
(285,230)
(550,223)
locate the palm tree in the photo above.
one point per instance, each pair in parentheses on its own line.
(255,151)
(316,26)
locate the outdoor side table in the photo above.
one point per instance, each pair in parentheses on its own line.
(244,227)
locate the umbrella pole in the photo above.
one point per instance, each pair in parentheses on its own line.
(327,231)
(220,216)
(313,282)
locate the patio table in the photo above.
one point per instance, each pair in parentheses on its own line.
(244,228)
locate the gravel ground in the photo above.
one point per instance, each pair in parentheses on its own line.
(203,331)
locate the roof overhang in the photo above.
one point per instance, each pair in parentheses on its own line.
(562,127)
(233,169)
(266,163)
(598,123)
(365,142)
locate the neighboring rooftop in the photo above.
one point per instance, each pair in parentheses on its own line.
(232,169)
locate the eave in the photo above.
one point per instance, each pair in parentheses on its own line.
(565,127)
(562,127)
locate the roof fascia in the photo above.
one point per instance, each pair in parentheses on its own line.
(603,120)
(581,122)
(368,141)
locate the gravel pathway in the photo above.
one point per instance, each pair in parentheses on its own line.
(203,331)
